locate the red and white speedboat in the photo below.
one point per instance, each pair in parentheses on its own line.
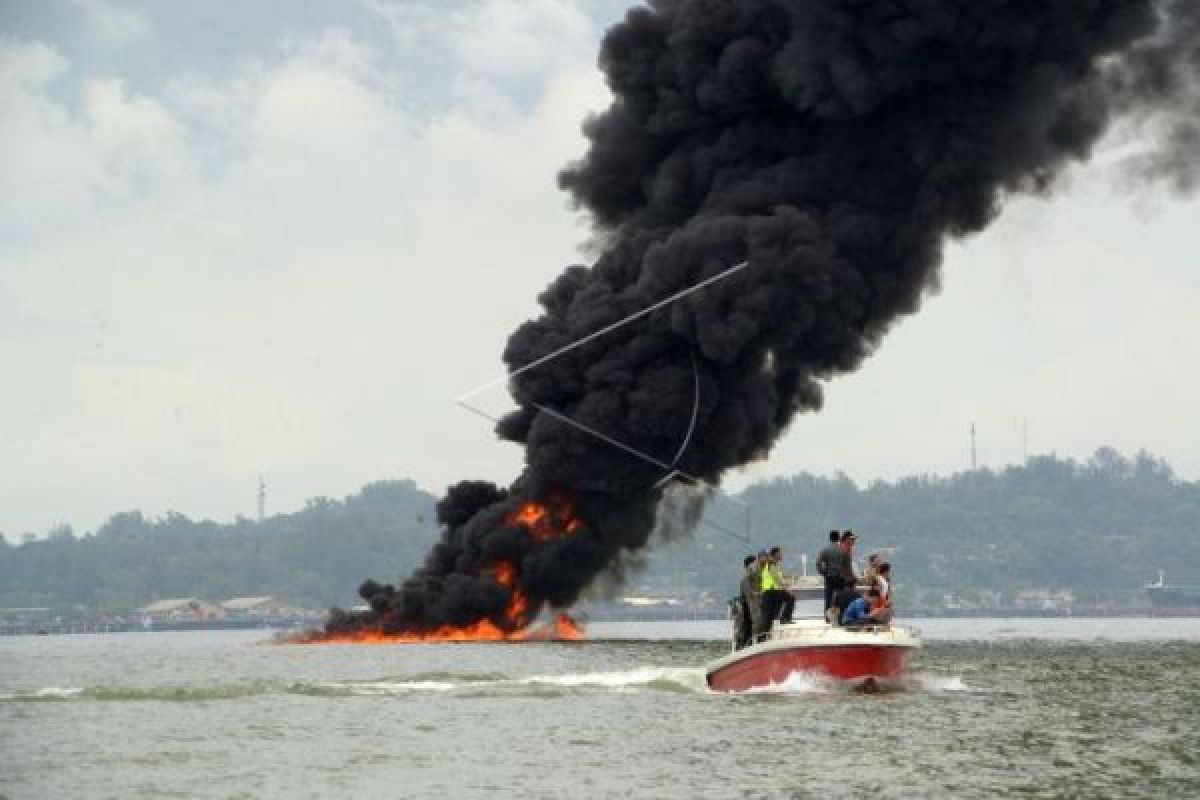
(873,654)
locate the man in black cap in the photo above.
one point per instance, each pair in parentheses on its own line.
(846,591)
(826,569)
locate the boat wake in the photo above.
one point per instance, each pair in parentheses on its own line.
(684,680)
(932,683)
(808,683)
(670,679)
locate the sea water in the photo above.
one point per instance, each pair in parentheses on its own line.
(1031,708)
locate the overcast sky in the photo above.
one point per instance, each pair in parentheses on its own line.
(279,237)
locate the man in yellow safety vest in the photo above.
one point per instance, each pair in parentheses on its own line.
(776,600)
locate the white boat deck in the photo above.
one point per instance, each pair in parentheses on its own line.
(816,631)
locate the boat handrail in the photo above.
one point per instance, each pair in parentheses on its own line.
(785,632)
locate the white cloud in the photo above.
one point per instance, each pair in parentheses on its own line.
(112,24)
(500,49)
(306,307)
(521,39)
(44,165)
(59,164)
(293,267)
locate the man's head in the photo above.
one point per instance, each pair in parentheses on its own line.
(762,556)
(885,569)
(748,560)
(834,537)
(873,559)
(848,540)
(776,554)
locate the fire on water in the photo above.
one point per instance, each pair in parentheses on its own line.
(541,522)
(563,629)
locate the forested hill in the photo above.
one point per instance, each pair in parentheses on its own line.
(313,558)
(1098,529)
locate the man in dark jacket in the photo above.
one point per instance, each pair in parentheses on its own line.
(847,581)
(826,569)
(744,622)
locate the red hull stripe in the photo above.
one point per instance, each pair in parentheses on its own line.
(850,662)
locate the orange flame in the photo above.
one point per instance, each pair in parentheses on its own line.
(563,628)
(554,518)
(567,629)
(505,573)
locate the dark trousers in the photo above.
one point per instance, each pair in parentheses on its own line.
(745,631)
(833,584)
(842,598)
(774,601)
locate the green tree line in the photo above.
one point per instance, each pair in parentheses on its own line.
(313,558)
(1099,528)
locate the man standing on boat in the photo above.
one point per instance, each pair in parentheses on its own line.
(751,596)
(775,598)
(846,580)
(825,569)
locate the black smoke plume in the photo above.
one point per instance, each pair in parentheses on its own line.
(836,145)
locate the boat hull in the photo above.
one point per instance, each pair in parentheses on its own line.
(878,655)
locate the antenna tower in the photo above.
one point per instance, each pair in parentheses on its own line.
(262,498)
(974,460)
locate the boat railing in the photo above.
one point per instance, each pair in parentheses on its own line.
(780,632)
(783,633)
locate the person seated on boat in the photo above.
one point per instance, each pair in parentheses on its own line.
(846,580)
(883,584)
(776,600)
(825,569)
(873,562)
(749,603)
(863,610)
(882,580)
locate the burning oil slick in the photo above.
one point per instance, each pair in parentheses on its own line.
(835,144)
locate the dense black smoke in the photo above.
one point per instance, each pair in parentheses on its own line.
(836,145)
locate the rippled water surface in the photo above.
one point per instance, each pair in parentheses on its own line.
(1033,708)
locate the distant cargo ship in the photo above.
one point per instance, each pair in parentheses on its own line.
(1168,600)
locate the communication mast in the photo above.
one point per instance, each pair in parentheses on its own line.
(262,498)
(974,460)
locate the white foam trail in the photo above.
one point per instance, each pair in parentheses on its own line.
(47,693)
(799,682)
(381,688)
(686,677)
(939,683)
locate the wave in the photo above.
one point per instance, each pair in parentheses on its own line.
(47,693)
(807,683)
(684,680)
(801,682)
(928,682)
(671,679)
(137,693)
(371,688)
